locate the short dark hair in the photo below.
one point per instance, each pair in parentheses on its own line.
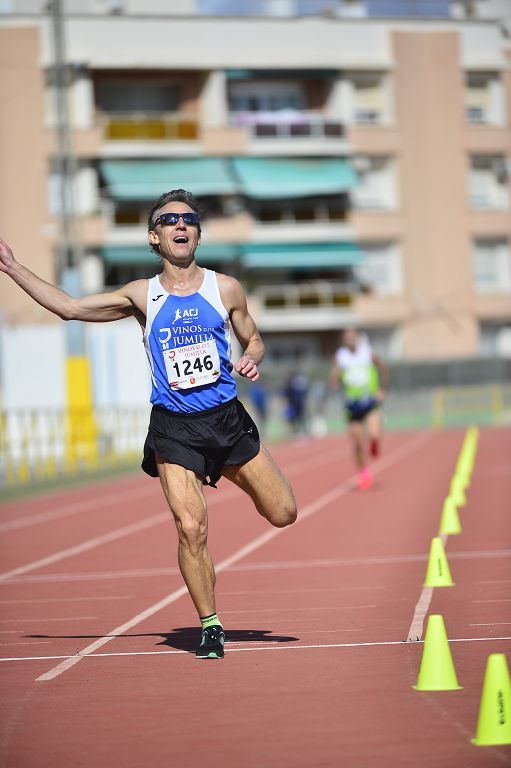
(174,196)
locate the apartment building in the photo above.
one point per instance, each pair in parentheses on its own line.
(353,168)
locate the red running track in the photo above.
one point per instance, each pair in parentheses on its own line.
(317,672)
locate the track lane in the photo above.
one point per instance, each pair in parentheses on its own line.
(331,702)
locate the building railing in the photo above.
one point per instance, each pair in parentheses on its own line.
(287,124)
(320,294)
(141,126)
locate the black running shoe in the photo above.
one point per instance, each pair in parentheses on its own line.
(212,645)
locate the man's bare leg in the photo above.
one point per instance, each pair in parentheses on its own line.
(270,491)
(183,491)
(358,440)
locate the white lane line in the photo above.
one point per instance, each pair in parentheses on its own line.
(35,642)
(63,600)
(225,593)
(493,624)
(62,618)
(327,498)
(496,600)
(421,608)
(106,538)
(125,531)
(256,611)
(268,647)
(419,614)
(93,575)
(76,507)
(266,566)
(118,497)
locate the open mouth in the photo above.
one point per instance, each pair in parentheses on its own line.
(181,240)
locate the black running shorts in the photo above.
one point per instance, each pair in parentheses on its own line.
(358,410)
(204,441)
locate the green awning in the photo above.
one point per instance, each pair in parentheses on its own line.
(300,255)
(127,255)
(148,179)
(272,178)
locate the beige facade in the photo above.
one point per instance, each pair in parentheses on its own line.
(24,161)
(401,92)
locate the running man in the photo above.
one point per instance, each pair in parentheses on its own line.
(198,429)
(364,379)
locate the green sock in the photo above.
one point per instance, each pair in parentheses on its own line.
(209,621)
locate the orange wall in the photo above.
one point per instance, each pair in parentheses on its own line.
(433,166)
(23,160)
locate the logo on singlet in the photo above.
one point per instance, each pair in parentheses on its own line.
(187,316)
(158,297)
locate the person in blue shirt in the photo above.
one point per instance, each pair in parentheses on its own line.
(198,430)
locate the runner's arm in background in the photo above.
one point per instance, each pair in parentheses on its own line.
(244,327)
(101,307)
(384,377)
(334,377)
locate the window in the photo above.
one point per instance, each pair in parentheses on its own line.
(81,191)
(495,340)
(491,263)
(380,271)
(484,98)
(387,342)
(141,96)
(488,182)
(230,7)
(377,187)
(265,96)
(369,97)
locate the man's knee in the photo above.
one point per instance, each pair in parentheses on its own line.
(192,533)
(285,514)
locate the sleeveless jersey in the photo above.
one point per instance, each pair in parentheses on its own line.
(187,342)
(359,375)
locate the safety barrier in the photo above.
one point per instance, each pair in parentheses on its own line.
(41,446)
(458,406)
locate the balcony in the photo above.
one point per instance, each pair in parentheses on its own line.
(150,134)
(315,305)
(290,130)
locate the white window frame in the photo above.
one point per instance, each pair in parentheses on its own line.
(491,265)
(381,268)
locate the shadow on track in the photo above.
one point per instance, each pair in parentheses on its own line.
(186,638)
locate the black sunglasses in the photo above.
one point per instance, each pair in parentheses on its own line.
(190,219)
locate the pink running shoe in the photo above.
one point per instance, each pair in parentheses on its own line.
(365,479)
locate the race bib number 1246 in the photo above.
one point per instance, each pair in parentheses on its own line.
(192,366)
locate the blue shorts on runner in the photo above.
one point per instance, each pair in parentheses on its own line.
(357,410)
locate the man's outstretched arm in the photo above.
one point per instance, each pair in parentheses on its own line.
(100,307)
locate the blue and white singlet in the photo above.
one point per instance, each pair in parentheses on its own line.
(187,341)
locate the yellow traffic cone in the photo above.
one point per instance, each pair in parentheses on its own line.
(450,521)
(463,471)
(436,672)
(438,573)
(457,493)
(494,721)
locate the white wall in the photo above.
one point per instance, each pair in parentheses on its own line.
(120,370)
(32,366)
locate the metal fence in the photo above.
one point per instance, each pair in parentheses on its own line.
(45,446)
